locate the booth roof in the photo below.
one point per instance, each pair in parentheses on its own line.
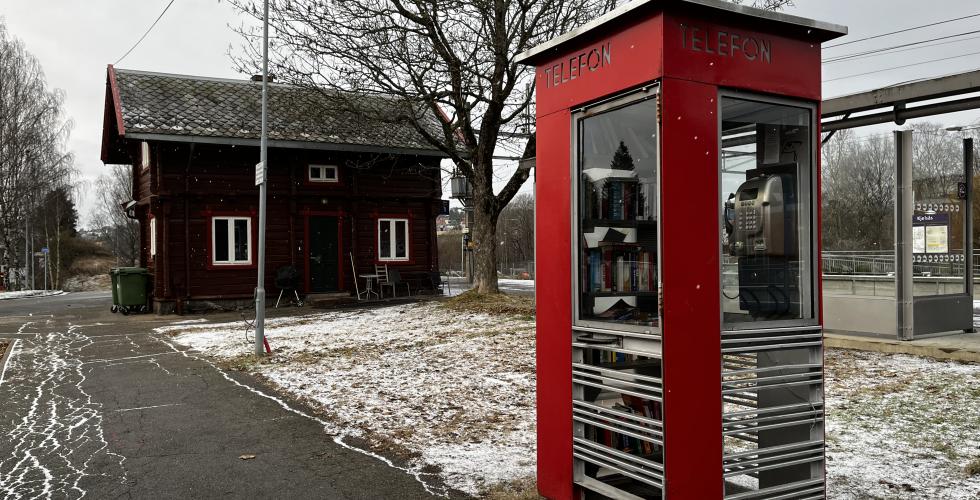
(818,30)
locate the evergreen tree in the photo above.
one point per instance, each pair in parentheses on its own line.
(622,159)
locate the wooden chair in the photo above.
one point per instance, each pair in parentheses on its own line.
(390,277)
(395,279)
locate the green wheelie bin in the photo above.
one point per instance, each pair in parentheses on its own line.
(129,289)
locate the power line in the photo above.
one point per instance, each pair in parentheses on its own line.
(165,9)
(893,47)
(902,31)
(909,49)
(900,67)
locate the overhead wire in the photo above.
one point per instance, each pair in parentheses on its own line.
(882,70)
(855,55)
(913,28)
(148,30)
(898,51)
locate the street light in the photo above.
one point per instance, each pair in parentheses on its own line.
(262,169)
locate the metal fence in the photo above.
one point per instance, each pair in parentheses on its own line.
(882,263)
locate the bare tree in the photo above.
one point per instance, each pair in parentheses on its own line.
(858,192)
(454,59)
(115,227)
(765,4)
(515,233)
(33,137)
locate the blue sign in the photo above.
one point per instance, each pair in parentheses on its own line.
(44,250)
(930,219)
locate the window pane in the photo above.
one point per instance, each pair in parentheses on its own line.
(617,162)
(330,173)
(241,239)
(401,238)
(314,172)
(221,240)
(765,174)
(384,239)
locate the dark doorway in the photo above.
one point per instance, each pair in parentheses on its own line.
(324,254)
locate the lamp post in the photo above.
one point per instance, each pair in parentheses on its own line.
(261,178)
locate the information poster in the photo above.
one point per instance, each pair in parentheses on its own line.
(937,239)
(918,239)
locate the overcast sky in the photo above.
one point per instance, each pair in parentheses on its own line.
(75,40)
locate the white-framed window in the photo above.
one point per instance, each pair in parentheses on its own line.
(153,236)
(393,239)
(231,240)
(324,173)
(144,154)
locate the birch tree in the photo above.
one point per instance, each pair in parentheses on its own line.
(33,136)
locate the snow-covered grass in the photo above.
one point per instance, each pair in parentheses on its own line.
(455,390)
(438,387)
(901,426)
(28,293)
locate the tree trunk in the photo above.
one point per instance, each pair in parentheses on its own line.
(484,235)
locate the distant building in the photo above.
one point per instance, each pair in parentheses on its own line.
(341,187)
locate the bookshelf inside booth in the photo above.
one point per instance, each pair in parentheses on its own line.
(617,369)
(617,410)
(617,164)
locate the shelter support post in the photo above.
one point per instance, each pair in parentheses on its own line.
(903,234)
(968,161)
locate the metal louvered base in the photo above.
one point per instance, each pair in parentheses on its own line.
(617,414)
(773,414)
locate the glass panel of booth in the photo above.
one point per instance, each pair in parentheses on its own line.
(617,254)
(766,176)
(938,250)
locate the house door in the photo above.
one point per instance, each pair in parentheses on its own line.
(324,254)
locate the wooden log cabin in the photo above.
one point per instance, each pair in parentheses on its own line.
(342,186)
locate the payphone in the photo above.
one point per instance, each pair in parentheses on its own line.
(761,221)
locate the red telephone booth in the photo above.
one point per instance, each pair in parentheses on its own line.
(679,347)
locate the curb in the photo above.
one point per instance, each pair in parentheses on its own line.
(37,295)
(896,347)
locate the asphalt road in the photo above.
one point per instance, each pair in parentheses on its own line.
(95,404)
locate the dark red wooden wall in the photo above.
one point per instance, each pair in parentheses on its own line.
(186,184)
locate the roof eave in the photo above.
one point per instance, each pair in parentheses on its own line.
(272,143)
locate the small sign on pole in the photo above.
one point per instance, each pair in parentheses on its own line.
(44,249)
(259,173)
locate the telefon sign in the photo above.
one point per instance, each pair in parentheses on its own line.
(727,44)
(579,65)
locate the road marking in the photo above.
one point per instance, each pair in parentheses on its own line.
(148,407)
(128,357)
(6,358)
